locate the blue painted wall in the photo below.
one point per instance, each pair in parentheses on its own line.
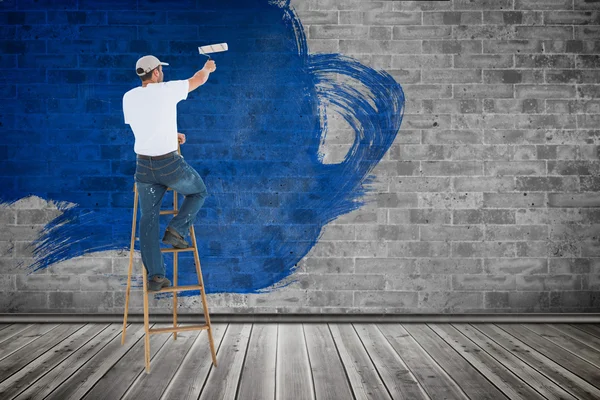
(253,130)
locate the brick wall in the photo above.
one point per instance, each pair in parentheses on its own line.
(486,201)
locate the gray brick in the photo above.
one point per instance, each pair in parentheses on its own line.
(8,216)
(452,18)
(513,200)
(572,266)
(81,301)
(515,76)
(104,282)
(561,152)
(315,266)
(420,184)
(450,301)
(423,61)
(350,249)
(291,298)
(450,266)
(544,61)
(574,301)
(512,17)
(483,282)
(543,32)
(573,200)
(574,167)
(8,282)
(386,265)
(452,76)
(526,301)
(452,168)
(338,32)
(483,249)
(22,232)
(351,18)
(590,282)
(512,233)
(512,46)
(388,232)
(429,91)
(324,45)
(21,301)
(514,136)
(430,216)
(406,76)
(319,17)
(450,106)
(475,91)
(330,298)
(427,121)
(421,5)
(349,282)
(392,18)
(397,168)
(513,168)
(397,200)
(496,217)
(547,283)
(472,32)
(338,232)
(450,200)
(451,233)
(385,299)
(483,184)
(380,47)
(545,91)
(421,32)
(450,46)
(416,152)
(584,5)
(420,249)
(513,266)
(572,18)
(47,282)
(586,32)
(380,33)
(429,283)
(454,136)
(482,5)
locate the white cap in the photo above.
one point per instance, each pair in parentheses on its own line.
(147,64)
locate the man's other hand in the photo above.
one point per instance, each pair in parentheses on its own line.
(181,138)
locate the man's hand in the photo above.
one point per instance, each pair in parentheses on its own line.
(210,66)
(181,138)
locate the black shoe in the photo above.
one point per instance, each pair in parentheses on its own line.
(156,283)
(175,239)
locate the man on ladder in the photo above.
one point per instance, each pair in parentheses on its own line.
(151,111)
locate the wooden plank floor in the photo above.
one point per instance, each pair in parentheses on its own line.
(303,361)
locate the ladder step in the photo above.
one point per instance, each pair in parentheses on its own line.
(168,212)
(174,250)
(179,329)
(176,289)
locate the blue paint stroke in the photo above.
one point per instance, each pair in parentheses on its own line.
(253,131)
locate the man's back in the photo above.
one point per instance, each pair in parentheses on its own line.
(151,111)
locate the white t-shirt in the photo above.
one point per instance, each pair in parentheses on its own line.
(151,112)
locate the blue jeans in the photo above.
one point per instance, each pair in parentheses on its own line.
(153,178)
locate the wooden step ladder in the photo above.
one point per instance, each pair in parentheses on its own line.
(173,289)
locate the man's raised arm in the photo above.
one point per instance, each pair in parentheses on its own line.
(201,76)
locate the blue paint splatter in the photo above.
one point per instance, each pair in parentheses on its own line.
(253,132)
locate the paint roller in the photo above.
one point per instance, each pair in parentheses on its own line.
(212,48)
